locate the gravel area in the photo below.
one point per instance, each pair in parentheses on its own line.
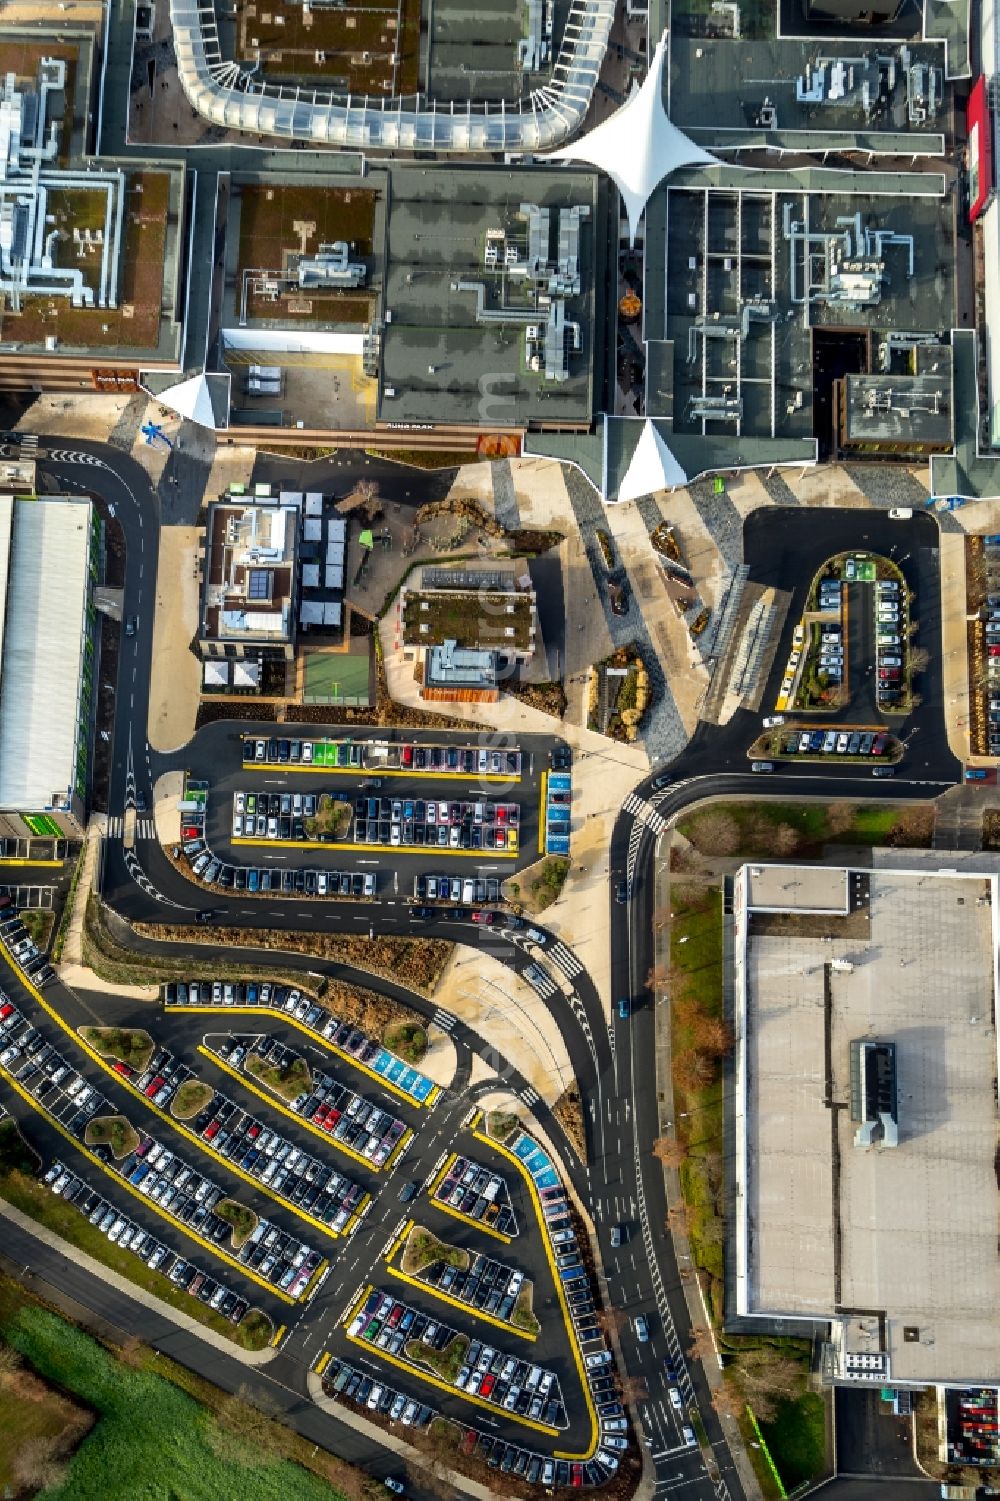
(722,519)
(778,489)
(649,509)
(504,495)
(887,485)
(123,434)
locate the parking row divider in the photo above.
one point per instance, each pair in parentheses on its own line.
(468,1220)
(129,1188)
(467,1308)
(17,860)
(381,771)
(278,1335)
(570,1330)
(398,1150)
(316,1037)
(170,1120)
(404,849)
(278,1105)
(423,1374)
(356,1217)
(442,1173)
(321,1364)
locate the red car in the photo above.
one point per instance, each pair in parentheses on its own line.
(190,833)
(576,1474)
(153,1088)
(501,814)
(407,757)
(6,1011)
(211,1130)
(126,1070)
(489,1382)
(332,1117)
(995,651)
(486,918)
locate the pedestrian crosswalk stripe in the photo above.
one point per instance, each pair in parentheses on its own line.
(645,813)
(443,1019)
(565,959)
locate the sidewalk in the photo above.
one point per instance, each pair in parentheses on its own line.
(71,968)
(697,1311)
(131,1289)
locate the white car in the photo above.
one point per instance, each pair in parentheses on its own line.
(773,721)
(901,513)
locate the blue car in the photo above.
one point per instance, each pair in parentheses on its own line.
(253,880)
(624,1008)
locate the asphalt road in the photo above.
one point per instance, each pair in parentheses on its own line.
(616,1069)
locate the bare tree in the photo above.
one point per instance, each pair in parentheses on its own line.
(715,833)
(913,827)
(37,1465)
(713,1035)
(786,840)
(669,1151)
(767,1376)
(726,1401)
(245,1418)
(693,1070)
(701,1345)
(678,1219)
(634,1388)
(10,1360)
(840,817)
(612,1320)
(920,659)
(658,977)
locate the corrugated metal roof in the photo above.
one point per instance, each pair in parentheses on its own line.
(46,586)
(6,527)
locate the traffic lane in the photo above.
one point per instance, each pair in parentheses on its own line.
(52,1146)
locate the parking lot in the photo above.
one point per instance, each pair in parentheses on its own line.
(350,819)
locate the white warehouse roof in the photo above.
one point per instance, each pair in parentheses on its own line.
(44,578)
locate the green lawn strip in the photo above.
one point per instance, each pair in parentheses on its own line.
(113,1131)
(38,923)
(193,1095)
(287,1082)
(423,1249)
(35,1200)
(129,1045)
(407,1040)
(522,1316)
(696,942)
(758,1461)
(796,1437)
(242,1219)
(152,1439)
(445,1363)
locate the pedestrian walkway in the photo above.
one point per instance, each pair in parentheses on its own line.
(122,1284)
(645,813)
(145,828)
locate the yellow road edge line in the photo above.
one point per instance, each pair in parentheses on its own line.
(467,1308)
(399,1240)
(467,1220)
(171,1121)
(422,1374)
(39,863)
(324,1042)
(282,1109)
(541,812)
(317,768)
(406,849)
(398,1150)
(168,1219)
(441,1173)
(574,1343)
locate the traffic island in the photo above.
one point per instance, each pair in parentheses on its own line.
(785,744)
(130,1046)
(242,1219)
(408,1040)
(112,1131)
(423,1249)
(537,886)
(192,1096)
(288,1082)
(445,1363)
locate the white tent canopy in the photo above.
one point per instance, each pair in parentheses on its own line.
(651,468)
(638,146)
(191,399)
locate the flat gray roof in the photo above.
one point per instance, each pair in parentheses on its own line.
(436,358)
(45,590)
(908,1233)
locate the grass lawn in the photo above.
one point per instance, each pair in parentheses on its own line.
(500,1123)
(152,1440)
(34,1417)
(815,823)
(20,1188)
(242,1219)
(797,1439)
(423,1249)
(113,1131)
(38,923)
(288,1082)
(445,1363)
(407,1040)
(193,1095)
(131,1046)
